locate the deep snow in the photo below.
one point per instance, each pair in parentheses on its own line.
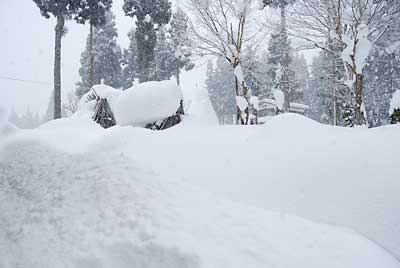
(75,195)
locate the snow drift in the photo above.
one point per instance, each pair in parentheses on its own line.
(197,196)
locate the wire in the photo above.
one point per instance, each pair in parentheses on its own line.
(23,80)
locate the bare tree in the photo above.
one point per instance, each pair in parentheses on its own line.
(71,104)
(219,27)
(348,29)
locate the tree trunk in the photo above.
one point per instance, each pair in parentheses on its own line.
(239,120)
(285,87)
(177,75)
(91,65)
(359,113)
(57,66)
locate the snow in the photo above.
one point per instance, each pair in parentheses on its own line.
(103,91)
(6,128)
(130,197)
(147,18)
(255,102)
(279,98)
(239,73)
(394,102)
(242,103)
(361,51)
(147,102)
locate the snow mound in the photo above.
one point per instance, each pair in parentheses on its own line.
(88,101)
(110,211)
(395,102)
(147,102)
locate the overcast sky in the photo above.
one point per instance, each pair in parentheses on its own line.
(26,52)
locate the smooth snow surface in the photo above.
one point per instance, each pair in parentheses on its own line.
(147,102)
(198,196)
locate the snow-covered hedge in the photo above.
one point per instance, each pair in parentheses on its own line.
(147,102)
(139,105)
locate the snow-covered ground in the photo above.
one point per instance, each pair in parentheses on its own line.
(75,195)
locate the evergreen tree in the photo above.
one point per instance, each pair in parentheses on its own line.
(281,56)
(281,71)
(181,43)
(251,72)
(220,87)
(382,77)
(164,58)
(129,71)
(107,58)
(147,14)
(93,11)
(61,10)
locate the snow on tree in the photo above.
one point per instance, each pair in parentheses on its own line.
(61,10)
(219,28)
(281,44)
(107,57)
(349,29)
(382,76)
(148,15)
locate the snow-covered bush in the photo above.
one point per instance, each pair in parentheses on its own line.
(147,103)
(88,101)
(394,110)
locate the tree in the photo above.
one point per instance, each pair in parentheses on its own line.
(164,56)
(129,60)
(219,28)
(181,43)
(349,29)
(93,11)
(61,10)
(280,42)
(382,76)
(147,14)
(220,87)
(105,56)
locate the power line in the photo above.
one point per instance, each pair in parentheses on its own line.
(23,80)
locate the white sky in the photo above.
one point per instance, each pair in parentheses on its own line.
(26,52)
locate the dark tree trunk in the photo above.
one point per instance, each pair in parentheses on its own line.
(239,120)
(91,65)
(285,63)
(178,76)
(57,66)
(359,113)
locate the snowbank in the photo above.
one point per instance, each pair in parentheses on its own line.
(111,211)
(199,196)
(147,102)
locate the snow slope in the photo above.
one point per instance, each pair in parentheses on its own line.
(346,177)
(116,198)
